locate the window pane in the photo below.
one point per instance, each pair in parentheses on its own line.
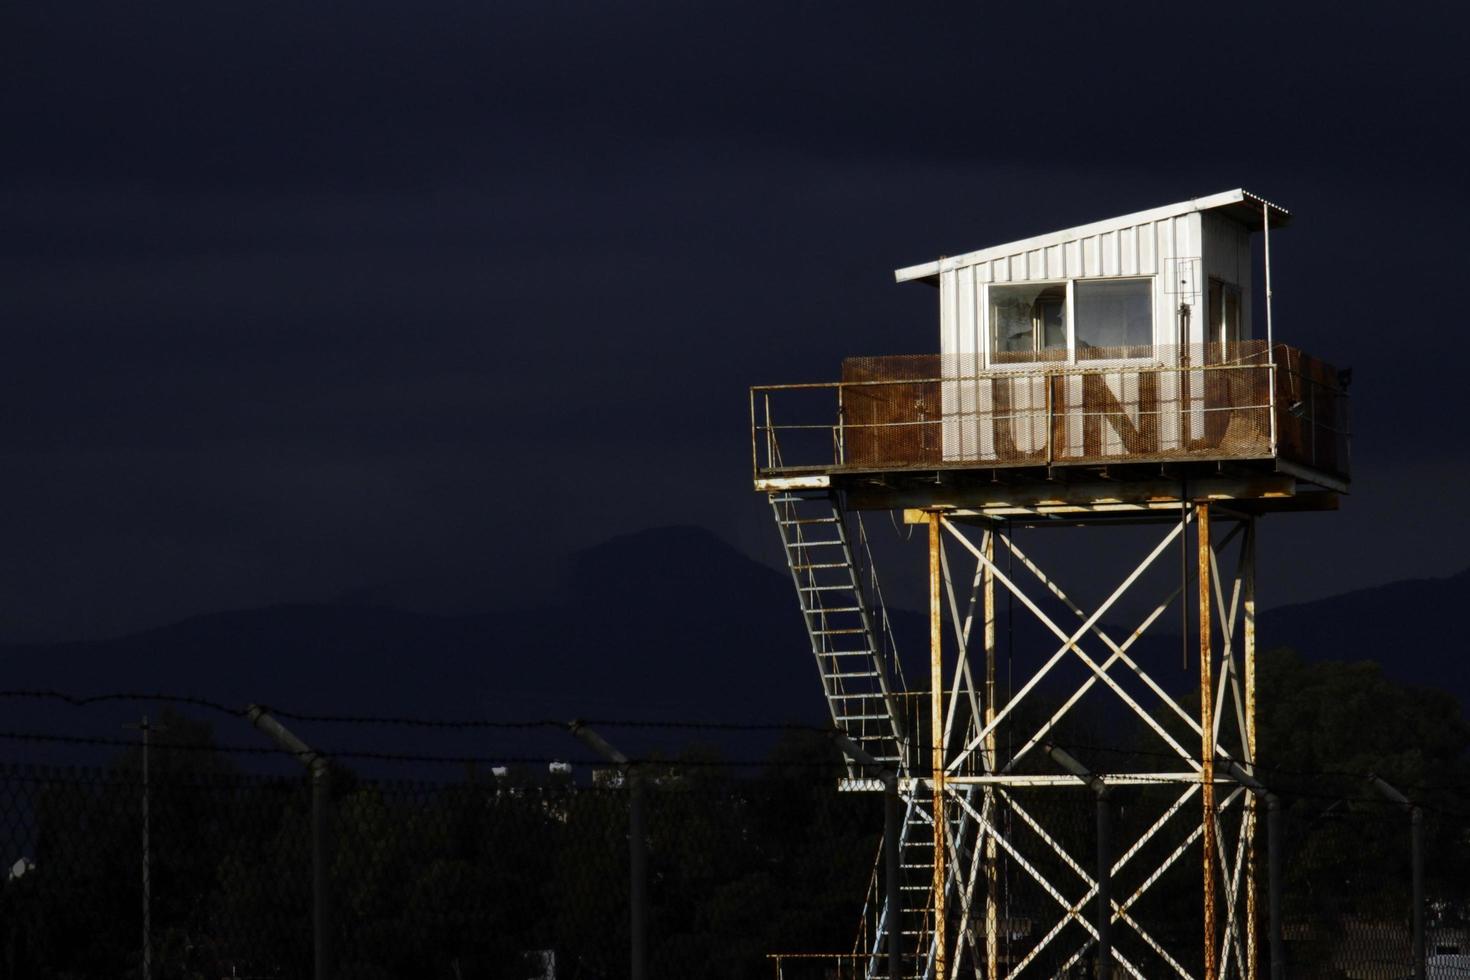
(1231,317)
(1026,319)
(1052,311)
(1010,318)
(1216,312)
(1114,315)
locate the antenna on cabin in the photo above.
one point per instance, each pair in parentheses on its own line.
(1059,398)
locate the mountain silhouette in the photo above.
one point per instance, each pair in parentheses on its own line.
(669,624)
(1400,625)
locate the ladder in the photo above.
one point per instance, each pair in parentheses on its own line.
(912,920)
(845,623)
(909,921)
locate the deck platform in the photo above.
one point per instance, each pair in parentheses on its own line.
(1139,432)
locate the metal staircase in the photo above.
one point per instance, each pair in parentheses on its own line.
(862,679)
(916,880)
(914,922)
(845,623)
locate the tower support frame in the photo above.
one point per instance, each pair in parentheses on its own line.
(967,766)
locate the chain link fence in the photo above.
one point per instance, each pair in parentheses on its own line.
(523,871)
(517,872)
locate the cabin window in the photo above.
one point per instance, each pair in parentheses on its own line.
(1028,322)
(1114,318)
(1223,330)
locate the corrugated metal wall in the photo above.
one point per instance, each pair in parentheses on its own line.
(1227,257)
(1179,252)
(1170,248)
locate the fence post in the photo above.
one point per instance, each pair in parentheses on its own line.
(1104,855)
(316,765)
(637,848)
(1416,860)
(146,729)
(1273,865)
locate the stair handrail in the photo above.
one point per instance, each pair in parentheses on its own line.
(887,643)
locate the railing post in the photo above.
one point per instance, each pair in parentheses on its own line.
(316,765)
(1050,417)
(770,436)
(755,459)
(841,435)
(1271,380)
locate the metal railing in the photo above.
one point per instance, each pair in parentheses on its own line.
(1127,405)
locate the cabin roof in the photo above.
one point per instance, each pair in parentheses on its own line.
(1239,204)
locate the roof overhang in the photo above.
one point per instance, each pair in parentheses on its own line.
(1251,210)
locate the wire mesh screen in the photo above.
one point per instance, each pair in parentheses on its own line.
(1312,420)
(749,876)
(1108,405)
(228,874)
(514,876)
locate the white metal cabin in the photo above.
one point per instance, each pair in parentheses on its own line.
(1107,349)
(1119,282)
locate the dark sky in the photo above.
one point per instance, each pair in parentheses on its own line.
(303,298)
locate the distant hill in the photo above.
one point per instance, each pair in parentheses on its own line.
(1402,625)
(666,624)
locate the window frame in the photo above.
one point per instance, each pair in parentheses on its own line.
(1070,318)
(1228,290)
(1153,327)
(989,326)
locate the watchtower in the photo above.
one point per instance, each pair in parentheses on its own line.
(1106,375)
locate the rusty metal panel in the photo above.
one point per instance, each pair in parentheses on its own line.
(1119,405)
(1312,413)
(891,412)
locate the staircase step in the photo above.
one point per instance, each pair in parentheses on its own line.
(808,568)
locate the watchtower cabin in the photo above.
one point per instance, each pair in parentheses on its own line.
(1107,374)
(1111,366)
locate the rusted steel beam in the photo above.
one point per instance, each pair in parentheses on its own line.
(992,879)
(1247,574)
(985,496)
(1207,738)
(936,737)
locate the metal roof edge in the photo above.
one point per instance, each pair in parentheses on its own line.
(1224,199)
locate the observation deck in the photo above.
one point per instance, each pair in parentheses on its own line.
(1100,432)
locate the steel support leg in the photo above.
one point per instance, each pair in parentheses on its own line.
(992,877)
(1247,573)
(936,737)
(1207,737)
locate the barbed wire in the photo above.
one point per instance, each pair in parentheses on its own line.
(829,768)
(161,745)
(1265,771)
(407,721)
